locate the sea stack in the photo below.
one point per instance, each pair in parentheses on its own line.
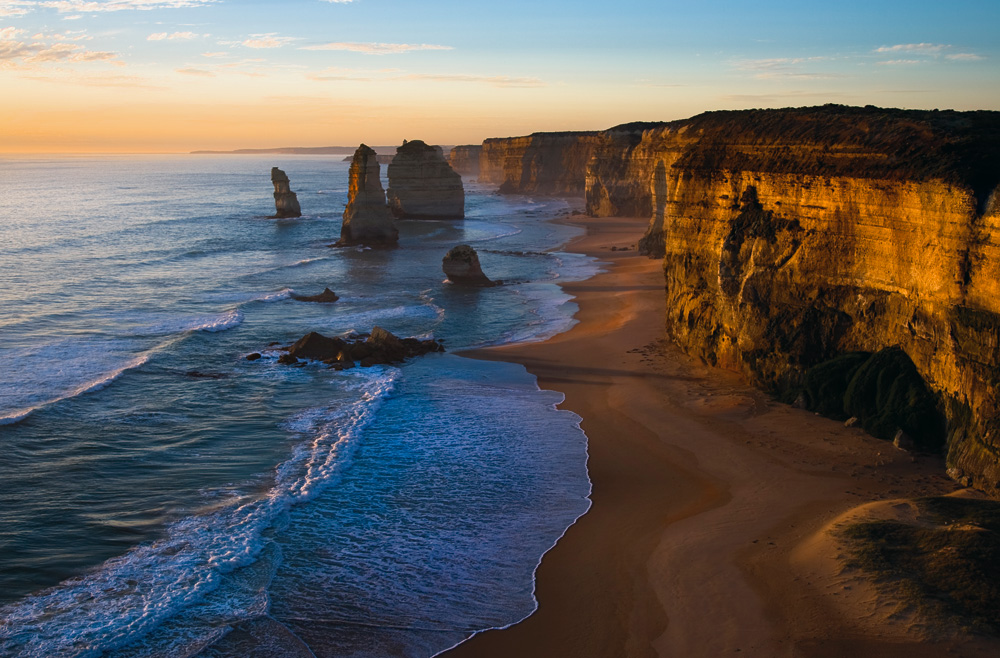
(422,185)
(367,220)
(286,204)
(461,266)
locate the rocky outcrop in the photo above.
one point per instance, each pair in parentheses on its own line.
(325,297)
(379,347)
(541,163)
(461,266)
(286,204)
(465,160)
(790,237)
(367,220)
(422,185)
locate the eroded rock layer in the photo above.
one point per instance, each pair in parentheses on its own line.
(465,160)
(286,204)
(542,163)
(792,236)
(422,185)
(367,220)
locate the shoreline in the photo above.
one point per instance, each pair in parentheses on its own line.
(710,505)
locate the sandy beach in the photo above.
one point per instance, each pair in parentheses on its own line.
(712,503)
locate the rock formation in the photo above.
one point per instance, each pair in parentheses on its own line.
(422,185)
(790,237)
(367,220)
(325,297)
(541,163)
(465,160)
(286,204)
(461,266)
(379,347)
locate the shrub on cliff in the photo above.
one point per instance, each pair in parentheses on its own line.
(827,382)
(887,393)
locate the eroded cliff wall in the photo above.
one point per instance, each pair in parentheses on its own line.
(465,159)
(541,163)
(791,236)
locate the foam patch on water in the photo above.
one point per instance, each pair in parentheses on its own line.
(34,379)
(129,596)
(247,297)
(211,323)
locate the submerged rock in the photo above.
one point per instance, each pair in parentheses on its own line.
(422,185)
(461,266)
(325,297)
(367,220)
(286,204)
(378,347)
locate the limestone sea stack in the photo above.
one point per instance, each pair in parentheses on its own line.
(367,220)
(286,204)
(422,185)
(461,266)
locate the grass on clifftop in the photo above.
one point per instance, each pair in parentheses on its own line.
(949,566)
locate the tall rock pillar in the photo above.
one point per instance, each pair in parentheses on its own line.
(367,220)
(286,204)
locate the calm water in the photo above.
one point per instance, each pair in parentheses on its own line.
(148,510)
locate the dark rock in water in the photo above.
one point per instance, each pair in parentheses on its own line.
(317,346)
(205,375)
(367,220)
(461,265)
(286,204)
(422,185)
(379,347)
(325,297)
(254,356)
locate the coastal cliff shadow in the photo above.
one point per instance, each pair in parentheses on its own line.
(582,374)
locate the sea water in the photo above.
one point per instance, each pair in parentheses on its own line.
(160,495)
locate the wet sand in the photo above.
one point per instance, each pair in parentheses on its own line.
(712,504)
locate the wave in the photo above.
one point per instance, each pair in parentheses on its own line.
(191,570)
(246,297)
(102,381)
(210,323)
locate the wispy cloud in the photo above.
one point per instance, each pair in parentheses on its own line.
(339,2)
(216,54)
(377,48)
(915,48)
(927,52)
(493,80)
(196,72)
(74,78)
(175,36)
(270,40)
(91,6)
(15,52)
(784,68)
(15,8)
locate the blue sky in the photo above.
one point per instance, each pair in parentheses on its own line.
(185,74)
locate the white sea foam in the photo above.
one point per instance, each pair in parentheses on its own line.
(131,595)
(246,297)
(210,323)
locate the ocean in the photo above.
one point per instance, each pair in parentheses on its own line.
(160,495)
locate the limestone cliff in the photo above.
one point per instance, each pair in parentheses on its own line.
(286,204)
(541,163)
(422,185)
(792,236)
(367,220)
(465,160)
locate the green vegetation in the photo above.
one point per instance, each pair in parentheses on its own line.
(949,565)
(826,383)
(883,390)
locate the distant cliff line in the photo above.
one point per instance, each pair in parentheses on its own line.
(793,237)
(298,150)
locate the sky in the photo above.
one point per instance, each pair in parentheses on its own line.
(140,76)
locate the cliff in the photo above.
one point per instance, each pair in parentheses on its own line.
(422,185)
(286,204)
(367,220)
(541,163)
(790,237)
(465,160)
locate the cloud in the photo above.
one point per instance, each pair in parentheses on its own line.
(376,48)
(74,78)
(176,36)
(339,2)
(217,54)
(901,62)
(270,40)
(783,68)
(196,72)
(493,80)
(14,52)
(14,7)
(91,6)
(964,57)
(914,48)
